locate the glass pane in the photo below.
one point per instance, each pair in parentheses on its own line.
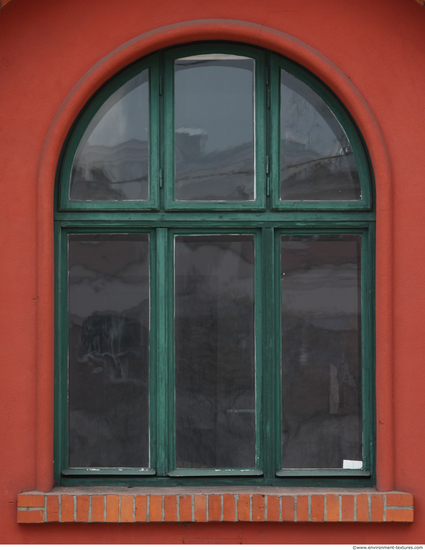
(214,351)
(321,353)
(108,350)
(214,128)
(317,162)
(111,162)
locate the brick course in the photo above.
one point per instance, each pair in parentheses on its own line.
(88,505)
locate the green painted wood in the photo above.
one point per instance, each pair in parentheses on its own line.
(180,219)
(162,339)
(311,472)
(277,315)
(205,472)
(267,219)
(259,365)
(108,471)
(154,292)
(61,354)
(368,350)
(269,359)
(217,481)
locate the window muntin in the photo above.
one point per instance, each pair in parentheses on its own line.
(173,223)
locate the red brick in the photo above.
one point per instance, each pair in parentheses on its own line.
(67,508)
(185,507)
(399,515)
(362,508)
(214,508)
(376,508)
(52,505)
(399,499)
(302,508)
(200,504)
(155,508)
(332,507)
(347,508)
(30,501)
(229,508)
(317,508)
(243,508)
(170,508)
(288,508)
(126,510)
(112,508)
(30,516)
(83,508)
(273,508)
(141,508)
(98,508)
(258,505)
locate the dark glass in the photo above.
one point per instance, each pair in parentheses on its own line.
(214,128)
(317,162)
(321,350)
(214,351)
(111,162)
(108,351)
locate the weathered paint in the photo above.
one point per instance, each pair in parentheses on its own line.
(54,55)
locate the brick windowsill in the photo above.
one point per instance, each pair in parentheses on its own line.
(122,505)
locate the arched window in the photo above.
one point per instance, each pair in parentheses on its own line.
(215,237)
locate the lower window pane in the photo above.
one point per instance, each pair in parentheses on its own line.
(321,350)
(214,351)
(108,351)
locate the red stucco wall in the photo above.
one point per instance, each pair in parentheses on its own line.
(53,55)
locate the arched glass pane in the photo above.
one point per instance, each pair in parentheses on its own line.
(111,162)
(214,128)
(316,162)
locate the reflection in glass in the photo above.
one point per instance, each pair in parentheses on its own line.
(214,128)
(214,351)
(321,353)
(317,162)
(108,351)
(111,162)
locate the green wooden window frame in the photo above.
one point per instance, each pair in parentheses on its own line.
(266,218)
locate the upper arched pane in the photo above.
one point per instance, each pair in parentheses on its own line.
(214,102)
(215,127)
(316,158)
(112,159)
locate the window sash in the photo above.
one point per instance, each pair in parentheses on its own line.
(267,289)
(77,132)
(266,129)
(258,203)
(365,203)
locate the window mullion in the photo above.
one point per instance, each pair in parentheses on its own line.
(270,363)
(163,404)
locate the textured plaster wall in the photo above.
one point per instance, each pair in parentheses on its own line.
(46,49)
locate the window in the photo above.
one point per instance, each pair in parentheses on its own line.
(215,252)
